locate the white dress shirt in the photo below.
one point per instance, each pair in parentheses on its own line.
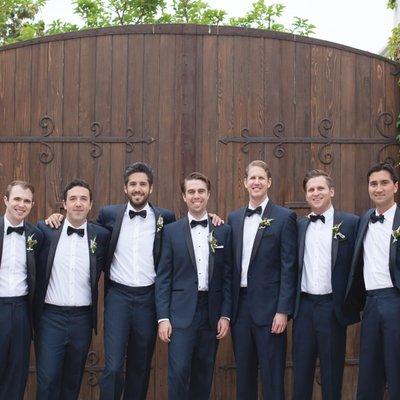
(201,247)
(250,229)
(317,267)
(376,252)
(13,269)
(69,283)
(133,261)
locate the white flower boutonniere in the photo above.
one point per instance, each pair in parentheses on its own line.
(160,224)
(213,242)
(396,235)
(336,231)
(265,223)
(30,242)
(93,245)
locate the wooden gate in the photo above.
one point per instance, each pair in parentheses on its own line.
(186,98)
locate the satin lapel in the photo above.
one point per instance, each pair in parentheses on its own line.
(115,233)
(211,254)
(393,246)
(189,242)
(30,261)
(52,250)
(335,242)
(302,242)
(1,236)
(260,232)
(91,236)
(157,235)
(239,247)
(361,233)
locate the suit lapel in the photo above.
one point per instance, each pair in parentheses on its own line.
(157,235)
(211,254)
(393,245)
(335,242)
(302,242)
(91,237)
(260,232)
(115,232)
(52,251)
(30,261)
(239,247)
(1,236)
(361,234)
(189,242)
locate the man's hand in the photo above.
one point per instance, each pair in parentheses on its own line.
(222,328)
(215,219)
(279,323)
(54,221)
(164,331)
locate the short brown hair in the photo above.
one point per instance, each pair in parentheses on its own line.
(25,185)
(195,175)
(383,166)
(314,173)
(261,164)
(74,183)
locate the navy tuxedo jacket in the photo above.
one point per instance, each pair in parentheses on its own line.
(355,293)
(110,217)
(46,259)
(271,277)
(31,257)
(177,283)
(342,253)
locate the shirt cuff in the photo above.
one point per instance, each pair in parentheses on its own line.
(163,319)
(226,318)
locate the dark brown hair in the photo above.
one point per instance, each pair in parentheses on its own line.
(193,176)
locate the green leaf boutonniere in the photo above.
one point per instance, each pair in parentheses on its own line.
(93,245)
(336,231)
(160,223)
(30,242)
(265,223)
(212,241)
(396,235)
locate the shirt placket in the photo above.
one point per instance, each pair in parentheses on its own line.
(11,275)
(71,278)
(317,257)
(135,249)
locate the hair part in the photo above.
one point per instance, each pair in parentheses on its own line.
(139,167)
(383,166)
(75,183)
(261,164)
(195,176)
(315,173)
(23,184)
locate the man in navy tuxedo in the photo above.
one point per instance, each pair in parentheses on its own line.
(70,263)
(19,246)
(264,286)
(193,293)
(374,287)
(326,240)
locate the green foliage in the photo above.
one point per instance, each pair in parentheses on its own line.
(394,44)
(391,4)
(58,26)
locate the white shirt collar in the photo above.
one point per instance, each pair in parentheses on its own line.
(328,214)
(389,214)
(191,218)
(7,223)
(263,205)
(67,224)
(129,207)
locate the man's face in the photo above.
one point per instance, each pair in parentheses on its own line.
(18,205)
(319,194)
(196,197)
(138,189)
(77,205)
(257,184)
(382,189)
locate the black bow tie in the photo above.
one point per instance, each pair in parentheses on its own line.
(133,214)
(375,218)
(315,218)
(250,212)
(71,230)
(19,229)
(194,223)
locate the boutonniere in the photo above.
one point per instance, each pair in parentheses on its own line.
(336,231)
(212,241)
(265,223)
(159,224)
(396,235)
(30,242)
(93,245)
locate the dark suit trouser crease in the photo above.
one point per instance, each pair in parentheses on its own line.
(130,327)
(380,346)
(15,338)
(318,334)
(191,357)
(64,338)
(255,346)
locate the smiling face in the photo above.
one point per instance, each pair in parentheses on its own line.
(257,184)
(196,197)
(18,204)
(382,189)
(138,190)
(319,194)
(77,204)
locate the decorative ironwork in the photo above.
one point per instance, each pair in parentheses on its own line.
(395,68)
(46,139)
(325,138)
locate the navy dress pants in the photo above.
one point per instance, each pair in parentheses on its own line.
(15,339)
(130,328)
(318,334)
(63,343)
